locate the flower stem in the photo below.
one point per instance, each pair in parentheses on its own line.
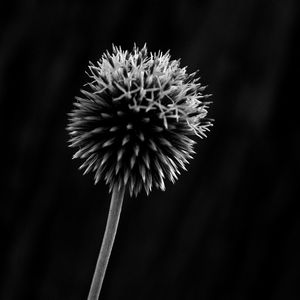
(107,243)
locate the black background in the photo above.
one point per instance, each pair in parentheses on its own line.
(228,229)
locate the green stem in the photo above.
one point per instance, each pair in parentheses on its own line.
(107,243)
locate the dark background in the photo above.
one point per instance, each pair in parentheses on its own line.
(228,229)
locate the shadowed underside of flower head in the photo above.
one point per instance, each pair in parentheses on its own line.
(133,122)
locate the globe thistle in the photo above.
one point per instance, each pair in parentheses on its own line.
(134,121)
(132,126)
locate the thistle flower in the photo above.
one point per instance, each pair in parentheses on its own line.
(133,123)
(132,126)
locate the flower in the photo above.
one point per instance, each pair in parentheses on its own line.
(133,124)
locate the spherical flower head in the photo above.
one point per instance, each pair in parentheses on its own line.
(133,124)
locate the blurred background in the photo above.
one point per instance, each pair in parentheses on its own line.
(228,229)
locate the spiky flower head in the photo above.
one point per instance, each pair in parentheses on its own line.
(133,124)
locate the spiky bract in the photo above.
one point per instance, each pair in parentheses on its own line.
(134,121)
